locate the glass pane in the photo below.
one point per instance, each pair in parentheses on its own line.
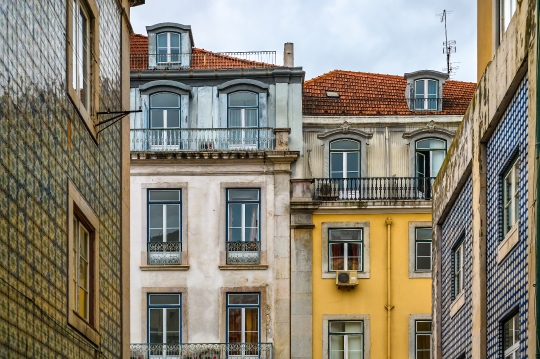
(83,273)
(173,216)
(175,40)
(354,252)
(423,249)
(156,235)
(85,241)
(345,234)
(337,256)
(252,214)
(516,328)
(83,303)
(235,325)
(420,164)
(164,196)
(157,119)
(423,263)
(243,99)
(345,145)
(353,327)
(432,88)
(336,165)
(346,327)
(423,233)
(337,346)
(235,117)
(431,144)
(155,325)
(243,298)
(354,344)
(165,99)
(252,117)
(173,118)
(243,194)
(235,215)
(437,159)
(252,325)
(251,234)
(235,234)
(419,88)
(173,320)
(164,299)
(423,326)
(353,163)
(173,235)
(156,216)
(162,40)
(423,341)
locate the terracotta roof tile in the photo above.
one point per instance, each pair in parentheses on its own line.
(200,59)
(368,94)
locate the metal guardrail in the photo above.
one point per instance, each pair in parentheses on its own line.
(164,253)
(201,60)
(243,252)
(373,188)
(425,104)
(202,351)
(203,139)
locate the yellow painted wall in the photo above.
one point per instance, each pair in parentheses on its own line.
(409,296)
(485,35)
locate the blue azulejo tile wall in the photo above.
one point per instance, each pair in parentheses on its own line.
(457,228)
(507,280)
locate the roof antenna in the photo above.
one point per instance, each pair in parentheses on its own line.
(449,47)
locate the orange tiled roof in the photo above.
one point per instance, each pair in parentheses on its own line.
(200,59)
(367,94)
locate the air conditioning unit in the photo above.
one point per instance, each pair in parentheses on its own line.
(346,278)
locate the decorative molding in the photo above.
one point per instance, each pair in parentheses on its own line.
(345,129)
(430,129)
(248,83)
(165,85)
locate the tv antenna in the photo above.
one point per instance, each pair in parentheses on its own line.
(449,46)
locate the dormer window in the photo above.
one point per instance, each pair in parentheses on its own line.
(168,47)
(426,94)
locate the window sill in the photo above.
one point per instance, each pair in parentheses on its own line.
(332,275)
(244,267)
(83,327)
(178,267)
(457,304)
(420,274)
(510,241)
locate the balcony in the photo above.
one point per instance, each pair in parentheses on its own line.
(203,139)
(373,189)
(164,253)
(426,104)
(239,253)
(204,60)
(202,351)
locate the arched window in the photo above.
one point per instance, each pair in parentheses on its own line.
(426,94)
(168,47)
(344,159)
(164,110)
(243,109)
(430,154)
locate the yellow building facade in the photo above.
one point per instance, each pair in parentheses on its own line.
(361,217)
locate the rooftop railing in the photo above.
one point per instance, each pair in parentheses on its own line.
(373,188)
(204,60)
(202,351)
(203,139)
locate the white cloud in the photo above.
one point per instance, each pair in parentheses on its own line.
(384,36)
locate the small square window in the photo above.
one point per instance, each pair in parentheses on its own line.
(511,338)
(345,249)
(423,249)
(510,196)
(457,257)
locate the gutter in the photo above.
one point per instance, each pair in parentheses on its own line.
(388,306)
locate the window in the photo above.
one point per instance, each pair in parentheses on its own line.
(422,249)
(164,227)
(164,119)
(243,244)
(243,323)
(511,338)
(164,319)
(168,47)
(83,266)
(346,339)
(422,339)
(344,159)
(506,11)
(345,249)
(83,58)
(243,114)
(430,154)
(510,197)
(458,269)
(426,94)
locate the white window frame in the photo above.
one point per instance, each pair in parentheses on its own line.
(510,205)
(513,351)
(78,228)
(507,8)
(168,48)
(426,96)
(345,337)
(458,267)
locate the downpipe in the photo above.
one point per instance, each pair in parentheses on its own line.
(388,305)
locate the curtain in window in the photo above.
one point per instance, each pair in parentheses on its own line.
(252,215)
(337,256)
(252,325)
(353,256)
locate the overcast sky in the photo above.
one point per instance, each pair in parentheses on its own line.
(381,36)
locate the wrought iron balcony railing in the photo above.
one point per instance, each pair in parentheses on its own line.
(373,188)
(243,252)
(202,351)
(164,253)
(201,60)
(203,139)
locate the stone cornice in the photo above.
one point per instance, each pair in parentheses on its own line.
(274,156)
(430,129)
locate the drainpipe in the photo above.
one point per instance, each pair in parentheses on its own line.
(387,148)
(388,306)
(537,154)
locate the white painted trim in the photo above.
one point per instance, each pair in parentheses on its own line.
(412,250)
(457,303)
(329,317)
(365,274)
(412,331)
(510,241)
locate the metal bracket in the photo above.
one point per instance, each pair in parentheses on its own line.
(118,116)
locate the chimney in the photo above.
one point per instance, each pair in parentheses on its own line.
(288,55)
